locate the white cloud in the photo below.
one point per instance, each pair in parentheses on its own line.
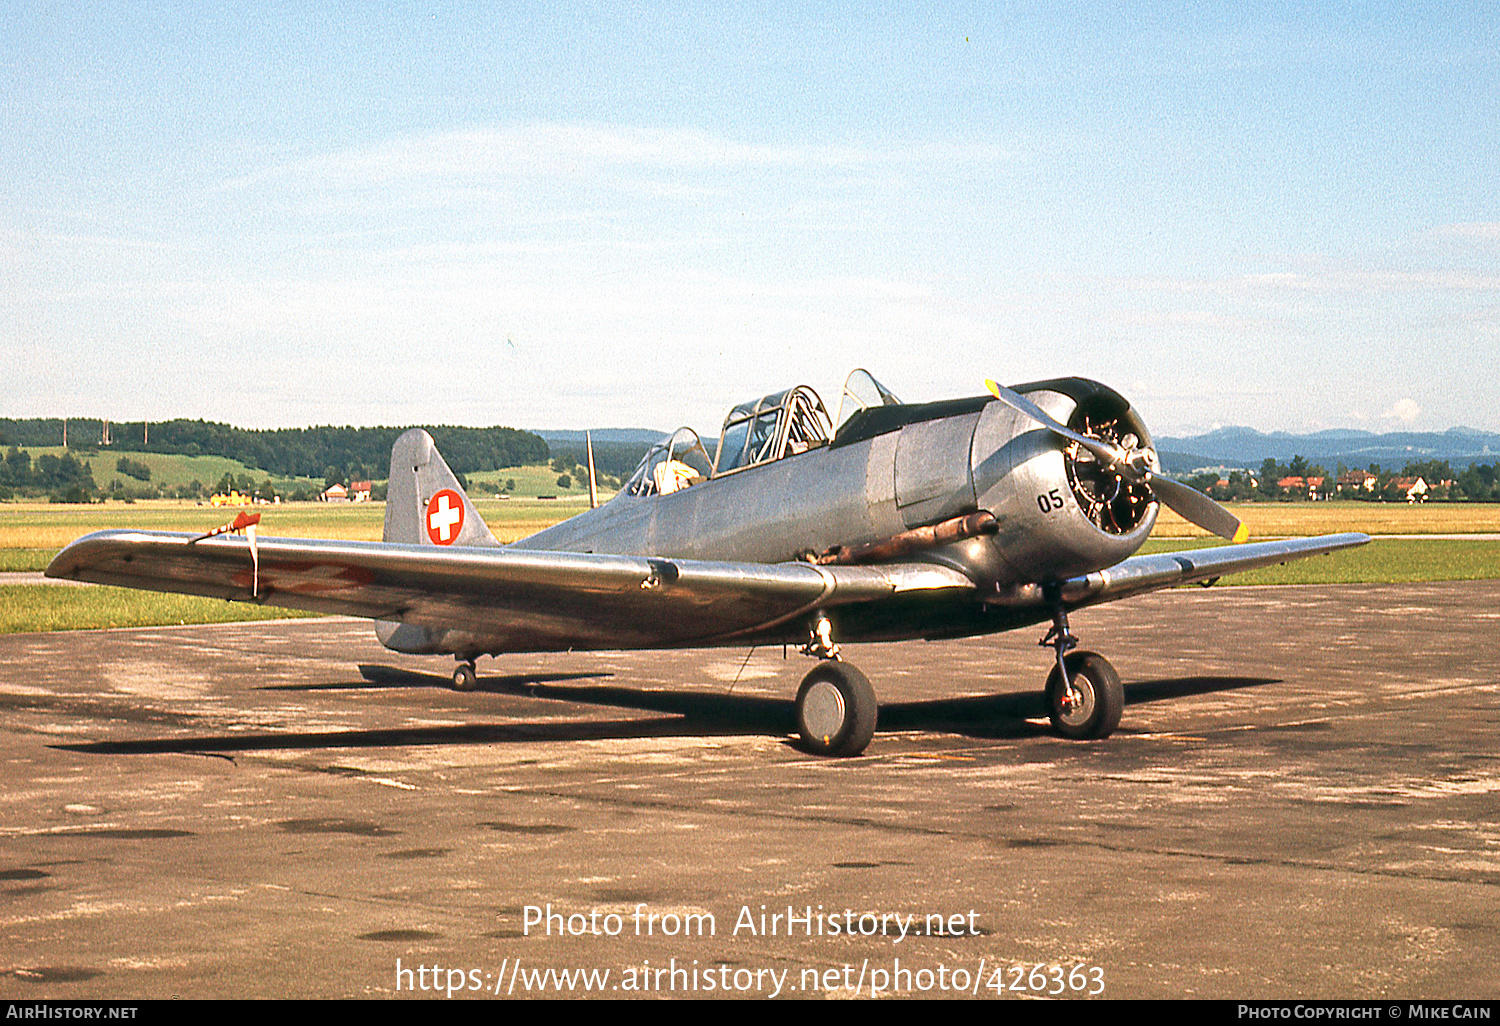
(1326,280)
(1469,230)
(675,271)
(581,149)
(1405,410)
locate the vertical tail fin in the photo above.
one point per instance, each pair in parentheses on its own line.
(424,503)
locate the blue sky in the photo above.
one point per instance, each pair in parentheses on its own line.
(573,216)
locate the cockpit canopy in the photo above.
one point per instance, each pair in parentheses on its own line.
(782,424)
(676,462)
(778,425)
(861,392)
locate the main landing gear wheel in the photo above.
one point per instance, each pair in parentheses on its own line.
(1092,709)
(465,678)
(836,709)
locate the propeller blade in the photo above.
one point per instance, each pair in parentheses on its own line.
(1195,507)
(1186,501)
(1110,454)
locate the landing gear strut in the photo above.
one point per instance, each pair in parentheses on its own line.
(1084,695)
(836,706)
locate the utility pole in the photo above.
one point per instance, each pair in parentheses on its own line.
(588,440)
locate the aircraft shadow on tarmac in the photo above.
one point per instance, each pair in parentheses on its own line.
(1014,715)
(689,714)
(395,677)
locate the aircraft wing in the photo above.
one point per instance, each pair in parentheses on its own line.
(1140,574)
(501,599)
(506,599)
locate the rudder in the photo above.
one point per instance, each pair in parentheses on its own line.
(424,503)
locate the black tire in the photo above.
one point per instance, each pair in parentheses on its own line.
(836,710)
(465,678)
(1101,698)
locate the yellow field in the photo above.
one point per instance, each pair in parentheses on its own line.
(41,528)
(1284,519)
(50,527)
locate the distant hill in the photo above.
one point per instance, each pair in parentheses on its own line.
(1246,447)
(626,436)
(617,451)
(365,452)
(317,452)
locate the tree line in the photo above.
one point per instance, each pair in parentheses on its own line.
(613,460)
(65,478)
(328,452)
(1480,482)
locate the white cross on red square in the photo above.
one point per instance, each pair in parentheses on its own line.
(445,517)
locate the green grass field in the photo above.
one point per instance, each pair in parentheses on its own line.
(1383,561)
(531,482)
(1300,519)
(51,607)
(170,470)
(31,533)
(17,560)
(174,471)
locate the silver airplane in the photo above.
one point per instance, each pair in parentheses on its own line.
(891,521)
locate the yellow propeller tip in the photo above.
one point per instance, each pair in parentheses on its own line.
(1241,534)
(994,388)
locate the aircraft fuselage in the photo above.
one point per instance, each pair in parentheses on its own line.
(900,468)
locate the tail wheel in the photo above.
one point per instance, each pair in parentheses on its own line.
(836,710)
(1091,708)
(465,677)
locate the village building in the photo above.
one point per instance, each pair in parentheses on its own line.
(1312,487)
(1413,489)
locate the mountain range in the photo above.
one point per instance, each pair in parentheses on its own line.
(1246,447)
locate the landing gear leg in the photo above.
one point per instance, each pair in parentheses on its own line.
(1084,695)
(836,706)
(1059,638)
(465,677)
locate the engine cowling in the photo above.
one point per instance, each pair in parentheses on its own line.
(1060,512)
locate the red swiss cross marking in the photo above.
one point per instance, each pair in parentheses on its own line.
(445,516)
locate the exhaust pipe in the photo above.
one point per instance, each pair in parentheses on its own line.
(958,529)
